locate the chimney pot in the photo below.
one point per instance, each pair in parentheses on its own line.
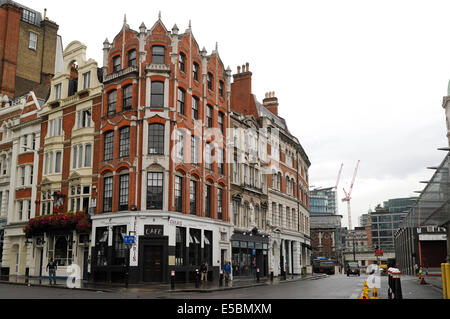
(239,69)
(247,67)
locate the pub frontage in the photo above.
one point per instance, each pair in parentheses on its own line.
(164,242)
(250,253)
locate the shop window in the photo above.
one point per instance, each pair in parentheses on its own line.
(194,247)
(208,246)
(101,245)
(60,249)
(180,246)
(119,250)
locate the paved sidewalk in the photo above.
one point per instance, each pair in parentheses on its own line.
(210,286)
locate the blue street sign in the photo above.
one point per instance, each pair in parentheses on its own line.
(128,240)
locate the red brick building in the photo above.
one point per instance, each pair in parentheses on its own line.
(165,101)
(29,47)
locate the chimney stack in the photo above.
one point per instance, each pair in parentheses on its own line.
(271,102)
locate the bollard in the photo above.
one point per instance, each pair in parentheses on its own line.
(172,279)
(221,278)
(375,293)
(257,274)
(397,284)
(271,274)
(447,279)
(197,278)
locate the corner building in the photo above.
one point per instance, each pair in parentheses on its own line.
(161,174)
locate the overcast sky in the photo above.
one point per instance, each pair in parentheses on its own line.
(356,80)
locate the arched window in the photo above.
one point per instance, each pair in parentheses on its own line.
(178,193)
(107,194)
(193,196)
(157,94)
(156,139)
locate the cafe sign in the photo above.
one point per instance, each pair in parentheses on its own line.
(154,230)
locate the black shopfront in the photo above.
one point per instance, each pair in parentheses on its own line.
(156,259)
(249,253)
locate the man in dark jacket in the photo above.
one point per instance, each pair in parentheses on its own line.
(51,267)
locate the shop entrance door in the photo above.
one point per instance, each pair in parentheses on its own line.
(153,259)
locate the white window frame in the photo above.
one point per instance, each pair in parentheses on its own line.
(32,41)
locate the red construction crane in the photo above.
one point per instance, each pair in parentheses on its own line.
(347,197)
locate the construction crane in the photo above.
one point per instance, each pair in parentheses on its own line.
(339,177)
(347,197)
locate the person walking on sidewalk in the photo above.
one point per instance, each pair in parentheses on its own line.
(227,271)
(204,271)
(51,267)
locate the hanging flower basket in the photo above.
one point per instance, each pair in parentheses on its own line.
(59,222)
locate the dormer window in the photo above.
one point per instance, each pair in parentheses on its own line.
(116,63)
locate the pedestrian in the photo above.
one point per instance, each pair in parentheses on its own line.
(227,271)
(204,271)
(416,269)
(51,267)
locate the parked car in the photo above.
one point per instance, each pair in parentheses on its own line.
(353,268)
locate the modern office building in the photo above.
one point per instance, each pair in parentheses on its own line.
(323,201)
